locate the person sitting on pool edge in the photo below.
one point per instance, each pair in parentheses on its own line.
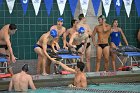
(20,81)
(80,79)
(47,39)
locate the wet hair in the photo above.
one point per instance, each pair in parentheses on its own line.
(80,65)
(114,21)
(73,21)
(81,16)
(12,27)
(25,68)
(101,16)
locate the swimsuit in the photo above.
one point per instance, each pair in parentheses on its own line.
(115,38)
(88,44)
(79,46)
(48,46)
(102,45)
(37,45)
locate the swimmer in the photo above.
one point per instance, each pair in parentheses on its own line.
(60,30)
(80,79)
(5,43)
(115,35)
(70,32)
(78,41)
(103,31)
(82,23)
(21,81)
(47,39)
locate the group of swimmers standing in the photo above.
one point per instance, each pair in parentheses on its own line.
(80,36)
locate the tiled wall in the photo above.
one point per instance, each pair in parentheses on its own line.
(30,27)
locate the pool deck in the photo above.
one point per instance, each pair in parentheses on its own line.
(92,77)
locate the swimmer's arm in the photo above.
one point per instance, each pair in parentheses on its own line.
(123,36)
(31,84)
(44,50)
(138,35)
(54,43)
(10,85)
(8,43)
(53,27)
(71,40)
(89,31)
(65,67)
(64,38)
(57,45)
(85,44)
(93,35)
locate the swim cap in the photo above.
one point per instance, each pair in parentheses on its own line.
(53,33)
(60,19)
(25,67)
(81,30)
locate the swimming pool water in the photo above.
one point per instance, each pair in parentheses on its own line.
(101,88)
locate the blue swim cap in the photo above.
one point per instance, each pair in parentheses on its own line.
(60,19)
(53,33)
(81,30)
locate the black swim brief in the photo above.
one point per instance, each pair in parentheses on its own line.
(102,45)
(79,46)
(37,45)
(4,46)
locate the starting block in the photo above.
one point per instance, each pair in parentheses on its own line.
(66,57)
(4,64)
(129,52)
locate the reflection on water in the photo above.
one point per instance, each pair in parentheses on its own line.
(101,88)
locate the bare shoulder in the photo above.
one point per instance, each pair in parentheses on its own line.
(74,34)
(29,76)
(119,29)
(6,27)
(96,27)
(15,75)
(107,25)
(63,28)
(69,30)
(87,25)
(53,27)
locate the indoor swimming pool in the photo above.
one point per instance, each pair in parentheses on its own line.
(95,88)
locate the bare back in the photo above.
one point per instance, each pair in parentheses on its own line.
(60,31)
(80,80)
(21,81)
(45,38)
(102,35)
